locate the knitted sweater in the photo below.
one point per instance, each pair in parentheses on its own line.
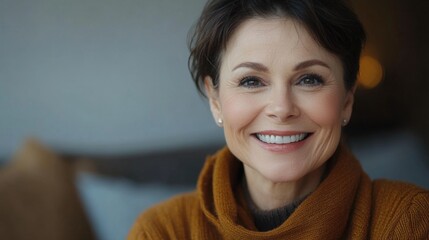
(346,205)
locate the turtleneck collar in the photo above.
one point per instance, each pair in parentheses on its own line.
(324,214)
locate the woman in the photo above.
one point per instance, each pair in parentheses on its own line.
(280,78)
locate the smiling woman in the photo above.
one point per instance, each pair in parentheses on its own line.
(277,98)
(280,78)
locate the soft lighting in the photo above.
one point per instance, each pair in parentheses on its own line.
(371,72)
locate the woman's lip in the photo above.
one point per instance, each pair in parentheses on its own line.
(280,133)
(282,148)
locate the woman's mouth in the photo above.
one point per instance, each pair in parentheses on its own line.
(278,139)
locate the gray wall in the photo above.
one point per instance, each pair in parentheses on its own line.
(99,76)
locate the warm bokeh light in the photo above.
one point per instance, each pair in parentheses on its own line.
(371,72)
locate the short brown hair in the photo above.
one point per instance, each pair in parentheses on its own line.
(332,24)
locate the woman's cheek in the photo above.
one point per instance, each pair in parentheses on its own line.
(239,109)
(324,110)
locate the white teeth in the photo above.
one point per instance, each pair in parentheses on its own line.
(281,139)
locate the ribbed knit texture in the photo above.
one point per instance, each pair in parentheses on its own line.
(346,205)
(266,220)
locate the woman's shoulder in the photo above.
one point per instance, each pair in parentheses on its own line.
(165,218)
(174,206)
(400,209)
(396,191)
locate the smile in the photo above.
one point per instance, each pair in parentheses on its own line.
(275,139)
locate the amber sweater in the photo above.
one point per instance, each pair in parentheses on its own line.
(346,205)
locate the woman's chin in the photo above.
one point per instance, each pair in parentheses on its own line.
(287,172)
(283,176)
(280,173)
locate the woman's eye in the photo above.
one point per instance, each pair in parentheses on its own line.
(311,80)
(251,82)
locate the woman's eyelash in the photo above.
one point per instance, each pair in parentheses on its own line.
(307,80)
(311,80)
(251,82)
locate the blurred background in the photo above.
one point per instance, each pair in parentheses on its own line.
(104,85)
(99,76)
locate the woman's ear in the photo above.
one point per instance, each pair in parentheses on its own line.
(348,104)
(213,96)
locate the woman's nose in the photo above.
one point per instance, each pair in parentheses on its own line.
(281,105)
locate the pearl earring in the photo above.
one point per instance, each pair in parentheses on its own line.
(220,122)
(344,122)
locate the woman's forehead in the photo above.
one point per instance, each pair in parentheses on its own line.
(273,39)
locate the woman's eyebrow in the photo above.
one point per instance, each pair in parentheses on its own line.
(253,65)
(310,63)
(261,68)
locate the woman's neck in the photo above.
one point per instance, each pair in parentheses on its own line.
(268,195)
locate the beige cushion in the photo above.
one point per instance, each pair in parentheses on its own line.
(38,199)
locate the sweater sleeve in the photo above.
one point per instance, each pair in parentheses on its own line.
(166,220)
(414,223)
(146,228)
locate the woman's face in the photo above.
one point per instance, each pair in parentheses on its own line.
(281,98)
